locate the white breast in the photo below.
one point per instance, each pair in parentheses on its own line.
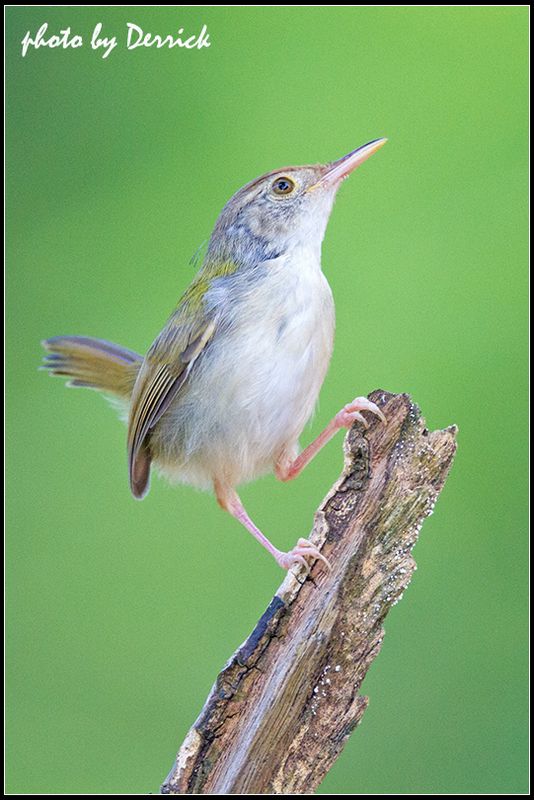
(262,381)
(293,345)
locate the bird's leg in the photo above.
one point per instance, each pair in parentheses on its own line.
(286,469)
(303,550)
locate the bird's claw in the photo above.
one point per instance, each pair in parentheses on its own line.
(351,412)
(302,551)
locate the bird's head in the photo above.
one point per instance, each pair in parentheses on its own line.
(282,209)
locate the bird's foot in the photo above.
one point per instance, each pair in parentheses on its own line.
(351,412)
(303,553)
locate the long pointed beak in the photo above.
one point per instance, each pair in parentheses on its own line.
(340,169)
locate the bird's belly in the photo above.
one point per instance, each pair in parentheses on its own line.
(275,390)
(251,398)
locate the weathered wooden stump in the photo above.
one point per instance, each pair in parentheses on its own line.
(282,708)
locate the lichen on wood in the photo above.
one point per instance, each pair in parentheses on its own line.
(286,702)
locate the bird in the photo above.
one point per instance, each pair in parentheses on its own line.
(225,390)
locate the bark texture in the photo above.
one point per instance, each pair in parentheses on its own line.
(286,702)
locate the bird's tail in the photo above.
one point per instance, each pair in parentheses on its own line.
(93,363)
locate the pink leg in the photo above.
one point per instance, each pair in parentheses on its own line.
(287,470)
(229,500)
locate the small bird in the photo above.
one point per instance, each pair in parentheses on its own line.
(225,390)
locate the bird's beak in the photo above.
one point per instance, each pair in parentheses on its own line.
(335,172)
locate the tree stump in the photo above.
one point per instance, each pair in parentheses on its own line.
(286,702)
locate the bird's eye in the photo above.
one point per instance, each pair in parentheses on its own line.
(283,186)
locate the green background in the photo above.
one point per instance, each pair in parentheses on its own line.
(121,613)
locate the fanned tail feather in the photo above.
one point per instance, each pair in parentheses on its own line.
(93,363)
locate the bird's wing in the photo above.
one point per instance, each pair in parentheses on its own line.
(164,371)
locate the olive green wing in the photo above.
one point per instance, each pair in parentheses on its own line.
(165,370)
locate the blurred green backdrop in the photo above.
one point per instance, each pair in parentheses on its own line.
(121,613)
